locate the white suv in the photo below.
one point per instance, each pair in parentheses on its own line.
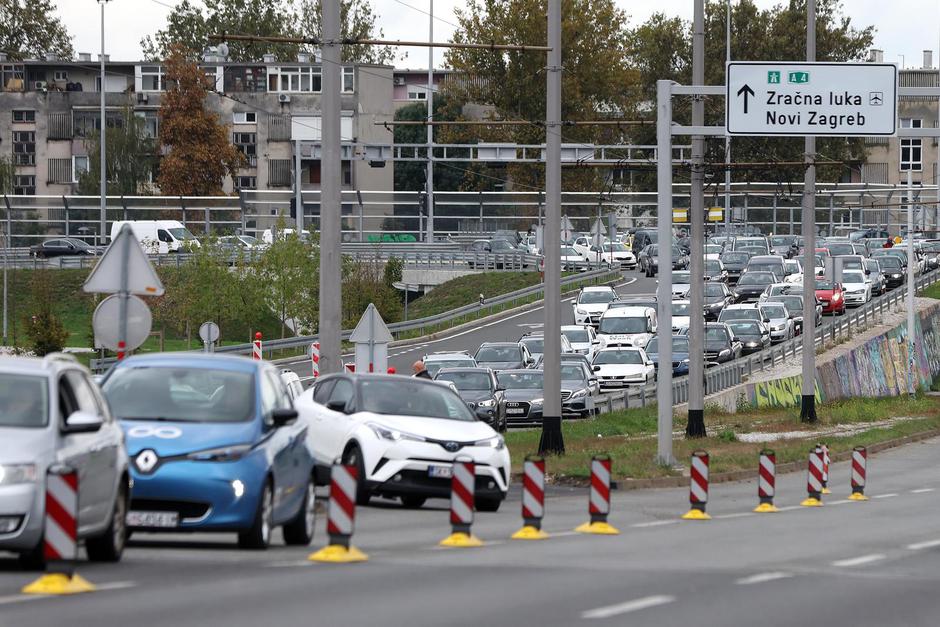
(54,417)
(591,304)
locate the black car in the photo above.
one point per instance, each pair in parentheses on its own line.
(893,270)
(720,344)
(734,261)
(503,356)
(479,389)
(523,394)
(648,260)
(717,297)
(752,334)
(61,247)
(784,245)
(752,284)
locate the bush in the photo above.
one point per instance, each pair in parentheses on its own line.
(46,333)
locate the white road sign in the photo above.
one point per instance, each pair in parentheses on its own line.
(799,99)
(106,322)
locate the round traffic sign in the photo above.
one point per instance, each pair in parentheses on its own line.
(107,318)
(209,332)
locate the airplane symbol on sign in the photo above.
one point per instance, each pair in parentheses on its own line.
(875,98)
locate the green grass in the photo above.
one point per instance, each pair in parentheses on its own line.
(931,291)
(467,289)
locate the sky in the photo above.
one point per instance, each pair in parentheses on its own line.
(902,34)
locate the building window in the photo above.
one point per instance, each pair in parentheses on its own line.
(349,80)
(246,182)
(417,95)
(295,79)
(80,165)
(245,117)
(911,148)
(247,144)
(61,75)
(150,123)
(22,116)
(87,122)
(12,77)
(24,185)
(24,148)
(151,78)
(279,173)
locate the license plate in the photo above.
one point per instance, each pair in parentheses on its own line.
(439,472)
(515,411)
(153,519)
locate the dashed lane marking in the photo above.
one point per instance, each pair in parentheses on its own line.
(630,606)
(738,515)
(922,490)
(655,523)
(858,561)
(885,496)
(762,578)
(918,546)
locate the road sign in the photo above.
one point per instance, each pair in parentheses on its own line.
(209,333)
(106,322)
(716,214)
(125,252)
(371,338)
(799,99)
(680,215)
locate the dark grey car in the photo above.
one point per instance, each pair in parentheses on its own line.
(503,356)
(480,391)
(523,394)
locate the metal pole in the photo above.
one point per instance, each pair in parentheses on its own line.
(695,427)
(808,407)
(104,175)
(330,164)
(552,439)
(430,99)
(6,247)
(298,195)
(125,296)
(910,285)
(727,137)
(664,292)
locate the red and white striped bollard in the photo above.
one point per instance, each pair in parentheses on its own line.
(825,478)
(462,489)
(341,516)
(599,499)
(814,476)
(315,358)
(859,469)
(766,482)
(698,487)
(533,499)
(256,347)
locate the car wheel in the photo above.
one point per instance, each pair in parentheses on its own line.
(413,502)
(299,531)
(353,457)
(259,535)
(488,505)
(109,546)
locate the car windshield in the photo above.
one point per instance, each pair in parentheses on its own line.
(681,309)
(467,380)
(822,284)
(755,278)
(615,247)
(714,289)
(595,296)
(569,252)
(744,327)
(408,397)
(715,334)
(618,357)
(780,240)
(735,257)
(498,353)
(791,266)
(572,373)
(774,311)
(792,303)
(680,344)
(892,263)
(712,249)
(739,314)
(681,278)
(24,401)
(577,335)
(531,380)
(534,344)
(872,266)
(181,394)
(841,249)
(181,234)
(853,277)
(251,240)
(435,365)
(712,267)
(615,324)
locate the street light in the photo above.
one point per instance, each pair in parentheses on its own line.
(104,177)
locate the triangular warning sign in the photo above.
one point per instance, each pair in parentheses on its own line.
(371,328)
(124,254)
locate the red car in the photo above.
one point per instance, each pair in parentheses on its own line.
(831,296)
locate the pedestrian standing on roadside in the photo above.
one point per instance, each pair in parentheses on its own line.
(420,371)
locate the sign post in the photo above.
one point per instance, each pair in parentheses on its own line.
(371,337)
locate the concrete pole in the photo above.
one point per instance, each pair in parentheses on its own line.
(103,227)
(663,290)
(298,194)
(430,100)
(727,137)
(552,440)
(6,246)
(695,426)
(330,207)
(911,385)
(808,407)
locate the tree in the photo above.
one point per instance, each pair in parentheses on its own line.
(29,28)
(289,275)
(200,153)
(7,170)
(357,22)
(130,156)
(364,283)
(44,328)
(412,175)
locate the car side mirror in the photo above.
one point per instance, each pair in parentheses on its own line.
(500,388)
(82,422)
(595,342)
(596,368)
(766,319)
(592,379)
(283,417)
(339,406)
(648,363)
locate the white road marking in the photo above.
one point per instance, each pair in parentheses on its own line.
(738,515)
(629,606)
(858,561)
(655,523)
(839,502)
(789,508)
(929,544)
(761,578)
(922,490)
(288,564)
(885,496)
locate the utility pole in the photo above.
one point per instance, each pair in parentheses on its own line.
(330,207)
(808,407)
(727,137)
(298,193)
(664,290)
(695,426)
(552,440)
(911,344)
(430,101)
(103,227)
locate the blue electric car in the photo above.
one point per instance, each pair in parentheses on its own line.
(214,445)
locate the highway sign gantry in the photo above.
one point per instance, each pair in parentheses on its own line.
(808,99)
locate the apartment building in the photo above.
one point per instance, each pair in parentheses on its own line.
(272,109)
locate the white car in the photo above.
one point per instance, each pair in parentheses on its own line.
(795,271)
(571,259)
(613,253)
(619,367)
(627,326)
(856,287)
(781,289)
(681,317)
(776,318)
(403,434)
(448,359)
(582,338)
(586,247)
(591,304)
(681,283)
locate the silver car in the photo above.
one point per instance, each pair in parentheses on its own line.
(54,418)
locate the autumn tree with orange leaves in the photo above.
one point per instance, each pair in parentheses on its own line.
(200,154)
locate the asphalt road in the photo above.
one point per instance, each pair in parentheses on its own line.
(846,564)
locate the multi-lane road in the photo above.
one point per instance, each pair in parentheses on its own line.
(867,564)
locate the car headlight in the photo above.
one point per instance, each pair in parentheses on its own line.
(221,454)
(536,402)
(490,402)
(724,352)
(392,435)
(836,297)
(495,442)
(580,311)
(17,473)
(684,361)
(579,394)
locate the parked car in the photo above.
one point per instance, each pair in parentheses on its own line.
(54,415)
(61,247)
(830,295)
(503,356)
(479,389)
(403,434)
(215,445)
(622,366)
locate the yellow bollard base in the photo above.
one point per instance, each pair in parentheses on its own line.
(858,496)
(695,514)
(598,528)
(529,532)
(826,491)
(461,540)
(338,554)
(59,583)
(766,508)
(811,502)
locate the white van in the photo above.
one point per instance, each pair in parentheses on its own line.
(268,235)
(627,326)
(158,236)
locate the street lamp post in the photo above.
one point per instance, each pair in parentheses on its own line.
(104,175)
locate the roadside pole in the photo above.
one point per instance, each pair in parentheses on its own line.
(695,426)
(808,406)
(663,291)
(911,385)
(552,440)
(330,207)
(727,137)
(298,194)
(430,101)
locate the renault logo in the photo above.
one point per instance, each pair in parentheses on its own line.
(146,461)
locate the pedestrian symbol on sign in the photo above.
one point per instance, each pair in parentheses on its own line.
(773,77)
